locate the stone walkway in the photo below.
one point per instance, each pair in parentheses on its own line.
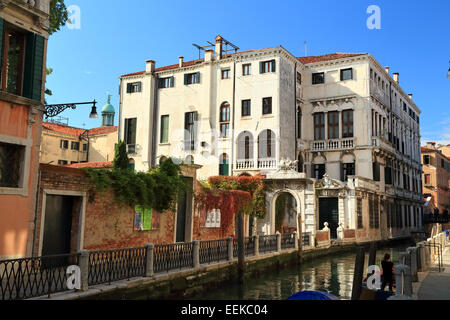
(435,285)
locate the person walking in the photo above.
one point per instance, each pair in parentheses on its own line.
(388,268)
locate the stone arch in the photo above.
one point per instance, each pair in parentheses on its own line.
(267,144)
(189,159)
(273,201)
(245,143)
(319,158)
(347,156)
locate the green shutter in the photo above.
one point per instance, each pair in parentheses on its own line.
(160,83)
(198,77)
(273,65)
(148,217)
(171,82)
(128,87)
(34,66)
(185,79)
(2,24)
(260,67)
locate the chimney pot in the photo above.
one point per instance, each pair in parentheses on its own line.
(150,66)
(410,95)
(180,61)
(386,69)
(209,54)
(218,47)
(396,75)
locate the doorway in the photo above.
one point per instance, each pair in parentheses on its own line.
(184,208)
(329,212)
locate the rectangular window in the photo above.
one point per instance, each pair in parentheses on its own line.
(318,78)
(62,162)
(348,169)
(299,122)
(388,175)
(13,61)
(346,74)
(75,145)
(319,126)
(426,159)
(225,74)
(427,179)
(85,147)
(133,87)
(333,125)
(11,163)
(267,66)
(168,82)
(347,123)
(359,213)
(376,213)
(246,108)
(319,171)
(246,69)
(299,78)
(64,144)
(190,128)
(191,78)
(164,135)
(376,171)
(145,219)
(267,105)
(442,163)
(130,131)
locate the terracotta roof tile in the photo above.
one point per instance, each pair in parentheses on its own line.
(103,130)
(77,131)
(104,164)
(327,57)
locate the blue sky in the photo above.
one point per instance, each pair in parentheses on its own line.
(116,37)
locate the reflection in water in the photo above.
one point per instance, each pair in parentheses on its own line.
(333,274)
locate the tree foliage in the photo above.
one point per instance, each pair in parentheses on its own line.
(121,160)
(58,15)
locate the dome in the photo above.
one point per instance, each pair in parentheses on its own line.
(108,108)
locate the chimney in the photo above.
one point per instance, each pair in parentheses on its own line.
(150,66)
(209,54)
(218,47)
(410,95)
(396,75)
(431,145)
(180,61)
(386,69)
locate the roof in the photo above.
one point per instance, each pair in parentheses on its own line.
(305,60)
(98,165)
(327,57)
(78,131)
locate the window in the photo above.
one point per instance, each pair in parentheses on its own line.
(442,163)
(223,165)
(246,69)
(333,125)
(267,105)
(376,213)
(164,134)
(319,126)
(166,82)
(11,158)
(64,144)
(267,66)
(318,78)
(359,213)
(191,78)
(134,87)
(266,144)
(376,171)
(145,219)
(348,169)
(224,119)
(226,74)
(246,108)
(428,179)
(299,77)
(346,74)
(14,43)
(75,145)
(319,171)
(299,122)
(62,162)
(189,159)
(300,163)
(404,106)
(426,159)
(347,123)
(190,129)
(388,175)
(130,131)
(85,147)
(247,147)
(72,162)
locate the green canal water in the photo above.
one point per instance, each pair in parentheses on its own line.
(333,274)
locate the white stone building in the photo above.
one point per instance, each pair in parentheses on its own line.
(241,113)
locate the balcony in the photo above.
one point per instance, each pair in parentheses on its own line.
(43,6)
(247,164)
(378,93)
(260,164)
(382,143)
(335,144)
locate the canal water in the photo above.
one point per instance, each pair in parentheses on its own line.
(333,274)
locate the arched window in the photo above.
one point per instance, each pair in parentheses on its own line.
(224,165)
(266,144)
(131,164)
(162,159)
(224,119)
(189,160)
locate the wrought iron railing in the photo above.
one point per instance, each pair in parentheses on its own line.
(306,239)
(37,276)
(173,256)
(213,251)
(267,243)
(432,218)
(288,241)
(118,264)
(249,247)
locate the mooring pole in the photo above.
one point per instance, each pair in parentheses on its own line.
(300,239)
(241,248)
(358,274)
(372,254)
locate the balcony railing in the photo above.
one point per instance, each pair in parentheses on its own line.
(268,163)
(335,144)
(245,164)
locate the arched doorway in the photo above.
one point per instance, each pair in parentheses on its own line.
(285,213)
(224,169)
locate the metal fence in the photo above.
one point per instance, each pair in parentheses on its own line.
(213,251)
(267,243)
(288,241)
(118,264)
(249,247)
(36,276)
(173,256)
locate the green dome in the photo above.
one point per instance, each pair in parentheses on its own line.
(108,108)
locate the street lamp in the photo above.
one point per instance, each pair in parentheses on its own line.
(52,110)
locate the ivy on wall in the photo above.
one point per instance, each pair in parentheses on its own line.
(156,189)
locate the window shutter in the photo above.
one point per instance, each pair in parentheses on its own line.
(139,86)
(34,67)
(273,65)
(261,67)
(160,83)
(198,77)
(185,79)
(171,82)
(128,87)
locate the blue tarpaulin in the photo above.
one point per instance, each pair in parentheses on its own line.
(313,295)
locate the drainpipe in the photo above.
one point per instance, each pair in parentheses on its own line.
(36,212)
(155,124)
(295,108)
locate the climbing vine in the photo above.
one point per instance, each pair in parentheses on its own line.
(156,189)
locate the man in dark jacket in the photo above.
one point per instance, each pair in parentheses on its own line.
(387,267)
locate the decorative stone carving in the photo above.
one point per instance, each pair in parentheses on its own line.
(325,228)
(329,183)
